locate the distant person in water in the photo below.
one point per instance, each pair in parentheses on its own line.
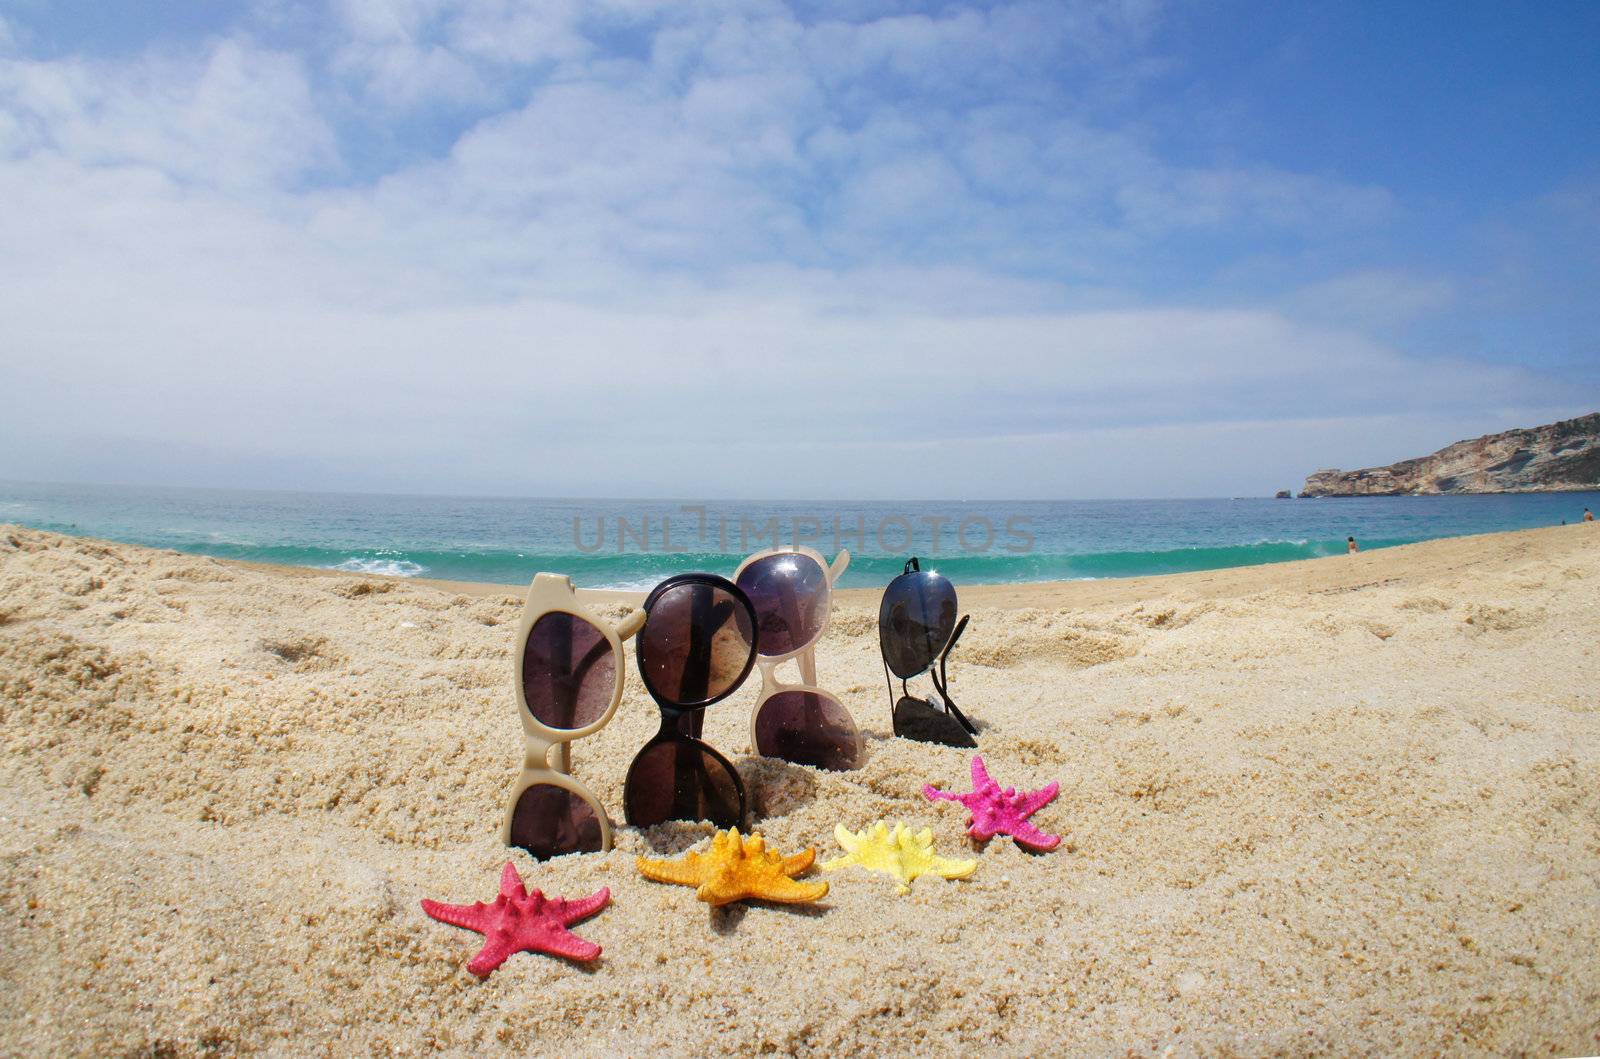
(1588,516)
(1350,542)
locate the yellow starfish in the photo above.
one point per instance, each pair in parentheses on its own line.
(735,869)
(902,854)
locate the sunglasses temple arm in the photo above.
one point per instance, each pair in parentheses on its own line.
(971,728)
(944,656)
(630,625)
(697,666)
(791,611)
(943,688)
(944,679)
(685,804)
(560,758)
(808,666)
(889,682)
(681,766)
(841,562)
(808,660)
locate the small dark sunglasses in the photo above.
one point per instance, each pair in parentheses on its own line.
(697,645)
(917,630)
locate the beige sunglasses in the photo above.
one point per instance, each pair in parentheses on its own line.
(791,589)
(568,676)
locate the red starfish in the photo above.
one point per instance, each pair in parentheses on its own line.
(997,812)
(522,920)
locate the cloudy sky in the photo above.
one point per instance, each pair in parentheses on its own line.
(811,250)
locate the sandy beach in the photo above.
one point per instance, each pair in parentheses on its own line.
(1338,806)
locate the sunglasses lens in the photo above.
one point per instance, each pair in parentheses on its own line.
(915,620)
(697,644)
(550,821)
(808,728)
(678,779)
(569,672)
(790,595)
(919,719)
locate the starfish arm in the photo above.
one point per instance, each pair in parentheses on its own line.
(934,794)
(511,882)
(981,829)
(494,952)
(583,907)
(1029,804)
(685,872)
(565,943)
(799,862)
(478,916)
(845,838)
(790,892)
(980,775)
(1030,836)
(839,862)
(953,869)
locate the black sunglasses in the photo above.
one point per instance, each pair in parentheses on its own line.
(917,630)
(697,645)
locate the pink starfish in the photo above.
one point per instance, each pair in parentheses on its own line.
(997,812)
(522,920)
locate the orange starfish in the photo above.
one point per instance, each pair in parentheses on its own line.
(735,869)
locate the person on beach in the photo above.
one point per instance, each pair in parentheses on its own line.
(1353,546)
(1588,516)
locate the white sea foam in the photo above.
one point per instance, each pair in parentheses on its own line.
(390,567)
(218,537)
(638,585)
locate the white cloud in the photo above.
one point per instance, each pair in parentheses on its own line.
(238,116)
(1377,297)
(759,236)
(408,53)
(276,352)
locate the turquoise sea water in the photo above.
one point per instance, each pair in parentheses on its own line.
(634,543)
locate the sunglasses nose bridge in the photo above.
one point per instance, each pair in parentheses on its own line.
(687,723)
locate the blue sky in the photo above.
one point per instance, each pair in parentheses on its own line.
(819,249)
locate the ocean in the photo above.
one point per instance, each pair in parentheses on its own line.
(634,543)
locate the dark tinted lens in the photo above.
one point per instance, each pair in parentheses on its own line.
(915,620)
(790,595)
(549,821)
(569,672)
(808,728)
(921,720)
(678,779)
(697,643)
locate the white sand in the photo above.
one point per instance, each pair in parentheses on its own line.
(1346,805)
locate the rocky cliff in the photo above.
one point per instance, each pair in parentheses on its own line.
(1552,458)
